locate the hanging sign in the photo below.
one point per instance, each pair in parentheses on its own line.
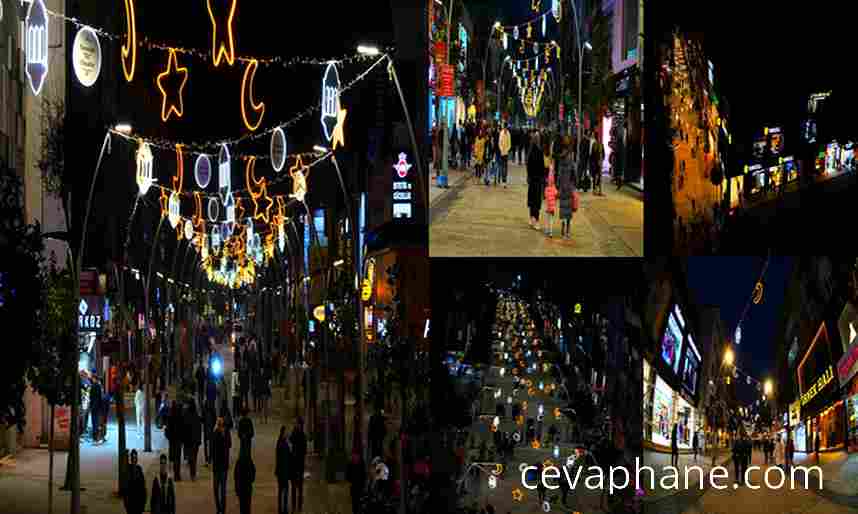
(402,188)
(446,81)
(36,26)
(330,100)
(278,149)
(90,320)
(144,168)
(203,171)
(818,386)
(224,174)
(86,56)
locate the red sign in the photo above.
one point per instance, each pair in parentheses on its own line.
(440,52)
(88,283)
(446,81)
(561,111)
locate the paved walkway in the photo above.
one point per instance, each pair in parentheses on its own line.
(660,460)
(474,220)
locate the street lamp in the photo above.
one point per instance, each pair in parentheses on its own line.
(767,387)
(368,50)
(729,357)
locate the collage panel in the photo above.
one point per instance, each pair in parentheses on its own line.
(751,127)
(535,119)
(214,271)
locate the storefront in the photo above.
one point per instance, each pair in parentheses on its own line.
(847,369)
(822,411)
(851,402)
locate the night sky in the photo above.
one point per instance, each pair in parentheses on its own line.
(769,56)
(728,282)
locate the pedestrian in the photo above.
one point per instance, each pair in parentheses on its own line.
(816,445)
(220,464)
(163,499)
(200,376)
(135,497)
(780,450)
(504,144)
(163,411)
(596,156)
(245,475)
(175,436)
(282,468)
(208,419)
(738,460)
(789,451)
(377,433)
(245,431)
(490,157)
(235,391)
(567,192)
(479,154)
(535,180)
(244,387)
(193,437)
(139,403)
(298,442)
(96,406)
(356,475)
(550,196)
(674,446)
(694,446)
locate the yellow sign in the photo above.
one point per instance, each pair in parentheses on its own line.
(577,308)
(821,382)
(366,290)
(319,313)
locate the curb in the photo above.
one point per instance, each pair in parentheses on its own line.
(449,189)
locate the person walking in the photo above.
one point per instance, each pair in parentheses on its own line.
(139,403)
(490,157)
(694,446)
(228,425)
(220,464)
(674,446)
(299,451)
(208,420)
(505,144)
(816,445)
(235,391)
(356,476)
(175,436)
(95,408)
(780,451)
(163,499)
(200,377)
(567,192)
(535,180)
(789,452)
(738,454)
(479,154)
(135,497)
(245,475)
(282,468)
(596,156)
(550,195)
(377,433)
(245,432)
(193,437)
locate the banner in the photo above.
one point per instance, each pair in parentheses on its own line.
(440,52)
(446,81)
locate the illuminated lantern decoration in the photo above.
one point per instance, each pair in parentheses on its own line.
(281,237)
(556,9)
(189,230)
(505,41)
(213,209)
(86,56)
(493,482)
(129,47)
(36,26)
(215,238)
(174,212)
(226,48)
(515,32)
(330,100)
(203,171)
(278,149)
(529,31)
(543,26)
(172,67)
(546,507)
(247,92)
(299,180)
(224,174)
(517,495)
(144,168)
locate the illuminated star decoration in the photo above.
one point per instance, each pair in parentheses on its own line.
(299,180)
(227,47)
(517,494)
(261,192)
(172,64)
(338,136)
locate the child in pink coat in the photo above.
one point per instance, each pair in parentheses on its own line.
(550,202)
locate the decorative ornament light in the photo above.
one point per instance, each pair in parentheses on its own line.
(174,210)
(281,237)
(543,26)
(493,482)
(86,56)
(129,47)
(203,171)
(213,209)
(247,93)
(278,149)
(215,238)
(556,9)
(36,26)
(224,174)
(189,230)
(261,191)
(227,46)
(505,41)
(172,67)
(330,100)
(529,31)
(339,136)
(515,32)
(299,180)
(144,168)
(758,293)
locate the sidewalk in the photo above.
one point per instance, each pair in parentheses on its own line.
(476,220)
(839,471)
(659,461)
(455,177)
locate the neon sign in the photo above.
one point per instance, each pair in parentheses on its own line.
(820,384)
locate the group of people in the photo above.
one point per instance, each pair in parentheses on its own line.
(251,381)
(552,175)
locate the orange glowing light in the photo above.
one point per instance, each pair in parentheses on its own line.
(517,495)
(172,64)
(494,428)
(239,207)
(299,180)
(535,444)
(226,48)
(130,46)
(247,92)
(548,463)
(165,203)
(338,137)
(198,220)
(531,391)
(498,469)
(262,186)
(519,420)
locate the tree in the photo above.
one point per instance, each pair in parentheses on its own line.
(599,87)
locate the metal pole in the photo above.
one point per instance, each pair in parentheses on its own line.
(75,435)
(580,73)
(146,412)
(445,141)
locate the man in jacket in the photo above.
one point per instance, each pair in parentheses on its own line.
(504,145)
(193,437)
(245,475)
(135,497)
(220,464)
(175,436)
(208,420)
(282,470)
(299,451)
(245,432)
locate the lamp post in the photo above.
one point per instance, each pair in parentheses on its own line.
(580,72)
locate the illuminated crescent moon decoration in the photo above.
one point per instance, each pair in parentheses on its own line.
(758,293)
(278,149)
(174,215)
(199,221)
(177,181)
(227,46)
(330,100)
(129,47)
(261,191)
(203,170)
(247,93)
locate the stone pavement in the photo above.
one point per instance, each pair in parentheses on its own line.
(840,471)
(660,460)
(744,500)
(454,178)
(475,220)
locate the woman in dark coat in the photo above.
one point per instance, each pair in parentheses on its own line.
(535,179)
(193,437)
(135,497)
(176,435)
(245,475)
(356,475)
(163,492)
(282,470)
(567,181)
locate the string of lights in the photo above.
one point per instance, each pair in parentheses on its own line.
(205,55)
(210,146)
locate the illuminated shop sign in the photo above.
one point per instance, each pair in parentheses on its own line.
(89,320)
(818,386)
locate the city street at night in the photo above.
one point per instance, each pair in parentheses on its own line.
(535,121)
(214,271)
(754,367)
